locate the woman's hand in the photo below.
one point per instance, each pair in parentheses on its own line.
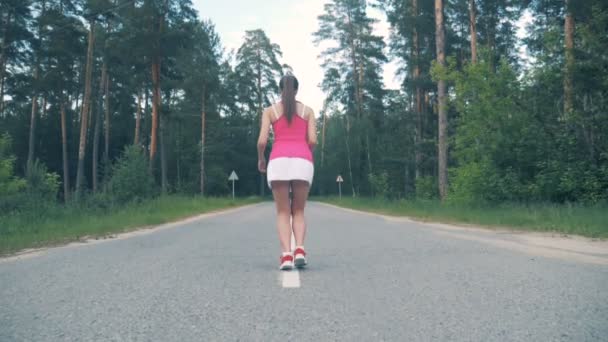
(262,165)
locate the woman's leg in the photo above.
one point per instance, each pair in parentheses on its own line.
(280,191)
(300,195)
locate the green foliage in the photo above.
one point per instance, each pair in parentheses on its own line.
(36,191)
(352,63)
(559,181)
(379,184)
(474,182)
(216,181)
(9,184)
(130,180)
(426,188)
(509,140)
(494,140)
(41,184)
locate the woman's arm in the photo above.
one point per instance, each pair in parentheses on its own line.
(263,140)
(312,128)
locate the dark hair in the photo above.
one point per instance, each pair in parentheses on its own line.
(289,86)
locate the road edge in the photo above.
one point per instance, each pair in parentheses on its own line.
(551,245)
(129,233)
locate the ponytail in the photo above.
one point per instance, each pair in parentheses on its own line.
(289,87)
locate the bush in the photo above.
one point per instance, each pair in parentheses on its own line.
(38,189)
(472,182)
(426,188)
(9,184)
(41,184)
(379,184)
(217,183)
(130,179)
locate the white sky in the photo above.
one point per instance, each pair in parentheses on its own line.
(290,23)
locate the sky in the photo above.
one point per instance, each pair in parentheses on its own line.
(291,23)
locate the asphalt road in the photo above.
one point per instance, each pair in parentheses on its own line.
(369,279)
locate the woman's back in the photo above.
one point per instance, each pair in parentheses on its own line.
(291,138)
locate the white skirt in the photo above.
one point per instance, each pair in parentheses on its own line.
(286,169)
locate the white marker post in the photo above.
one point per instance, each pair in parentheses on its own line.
(233,177)
(339,181)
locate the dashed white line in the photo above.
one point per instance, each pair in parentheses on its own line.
(291,279)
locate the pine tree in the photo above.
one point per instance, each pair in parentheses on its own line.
(413,44)
(352,77)
(473,29)
(15,17)
(85,109)
(569,63)
(258,70)
(441,93)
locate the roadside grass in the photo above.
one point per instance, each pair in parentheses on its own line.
(576,219)
(59,224)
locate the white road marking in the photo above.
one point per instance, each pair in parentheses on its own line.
(291,279)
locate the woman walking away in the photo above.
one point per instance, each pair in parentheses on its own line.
(290,166)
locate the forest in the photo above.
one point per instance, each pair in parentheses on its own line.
(113,101)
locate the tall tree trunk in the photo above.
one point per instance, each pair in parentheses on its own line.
(163,157)
(569,65)
(107,117)
(85,111)
(156,95)
(78,103)
(96,115)
(178,159)
(441,93)
(473,30)
(1,92)
(350,168)
(323,137)
(30,153)
(97,130)
(106,154)
(203,122)
(64,150)
(491,38)
(137,119)
(260,111)
(44,107)
(356,67)
(416,76)
(368,147)
(322,189)
(3,59)
(146,110)
(155,110)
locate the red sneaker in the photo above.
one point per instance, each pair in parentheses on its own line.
(300,257)
(286,262)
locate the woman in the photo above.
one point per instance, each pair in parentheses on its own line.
(290,166)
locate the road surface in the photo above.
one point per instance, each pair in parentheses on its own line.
(369,278)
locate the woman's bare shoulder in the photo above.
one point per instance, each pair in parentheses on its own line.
(308,112)
(275,105)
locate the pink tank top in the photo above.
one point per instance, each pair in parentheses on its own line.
(290,140)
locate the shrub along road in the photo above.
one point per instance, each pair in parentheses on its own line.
(369,278)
